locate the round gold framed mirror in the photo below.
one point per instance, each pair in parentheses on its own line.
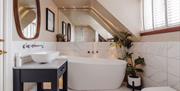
(27,17)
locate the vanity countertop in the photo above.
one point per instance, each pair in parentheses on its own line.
(53,65)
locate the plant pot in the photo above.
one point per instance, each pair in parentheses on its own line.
(134,82)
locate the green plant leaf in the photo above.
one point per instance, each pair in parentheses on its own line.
(139,60)
(122,39)
(129,55)
(139,70)
(130,70)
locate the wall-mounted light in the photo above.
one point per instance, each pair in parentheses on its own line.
(2,52)
(1,40)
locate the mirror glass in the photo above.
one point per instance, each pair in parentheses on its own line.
(83,27)
(27,18)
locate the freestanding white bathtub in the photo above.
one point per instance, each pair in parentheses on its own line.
(95,73)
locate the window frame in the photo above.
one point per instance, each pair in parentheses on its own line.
(158,30)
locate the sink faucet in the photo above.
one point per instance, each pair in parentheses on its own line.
(26,46)
(34,45)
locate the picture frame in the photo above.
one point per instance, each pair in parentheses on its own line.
(68,32)
(50,20)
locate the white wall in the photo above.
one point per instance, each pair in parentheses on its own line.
(1,45)
(44,34)
(126,11)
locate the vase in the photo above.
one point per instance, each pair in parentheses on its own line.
(134,82)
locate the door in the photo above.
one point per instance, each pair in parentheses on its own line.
(1,45)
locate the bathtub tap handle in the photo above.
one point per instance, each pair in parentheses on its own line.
(92,52)
(88,52)
(97,51)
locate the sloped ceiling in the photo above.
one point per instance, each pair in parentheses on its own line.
(128,12)
(73,3)
(111,22)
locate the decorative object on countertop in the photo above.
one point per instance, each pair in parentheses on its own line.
(18,60)
(60,38)
(50,20)
(134,72)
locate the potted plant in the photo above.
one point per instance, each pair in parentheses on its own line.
(123,41)
(134,71)
(134,68)
(60,38)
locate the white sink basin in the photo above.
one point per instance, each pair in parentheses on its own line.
(44,57)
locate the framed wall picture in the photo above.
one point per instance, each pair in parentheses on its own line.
(50,20)
(68,32)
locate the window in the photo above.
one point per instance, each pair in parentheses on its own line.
(173,12)
(148,18)
(161,14)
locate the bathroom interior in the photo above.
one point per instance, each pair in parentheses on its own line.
(90,45)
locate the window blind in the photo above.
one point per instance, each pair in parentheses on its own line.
(161,14)
(148,18)
(173,12)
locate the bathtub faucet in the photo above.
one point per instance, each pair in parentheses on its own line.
(92,52)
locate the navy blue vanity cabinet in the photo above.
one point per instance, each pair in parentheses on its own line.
(40,73)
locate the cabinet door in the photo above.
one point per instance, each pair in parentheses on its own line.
(1,45)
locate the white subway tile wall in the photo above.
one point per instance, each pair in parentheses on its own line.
(162,63)
(102,50)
